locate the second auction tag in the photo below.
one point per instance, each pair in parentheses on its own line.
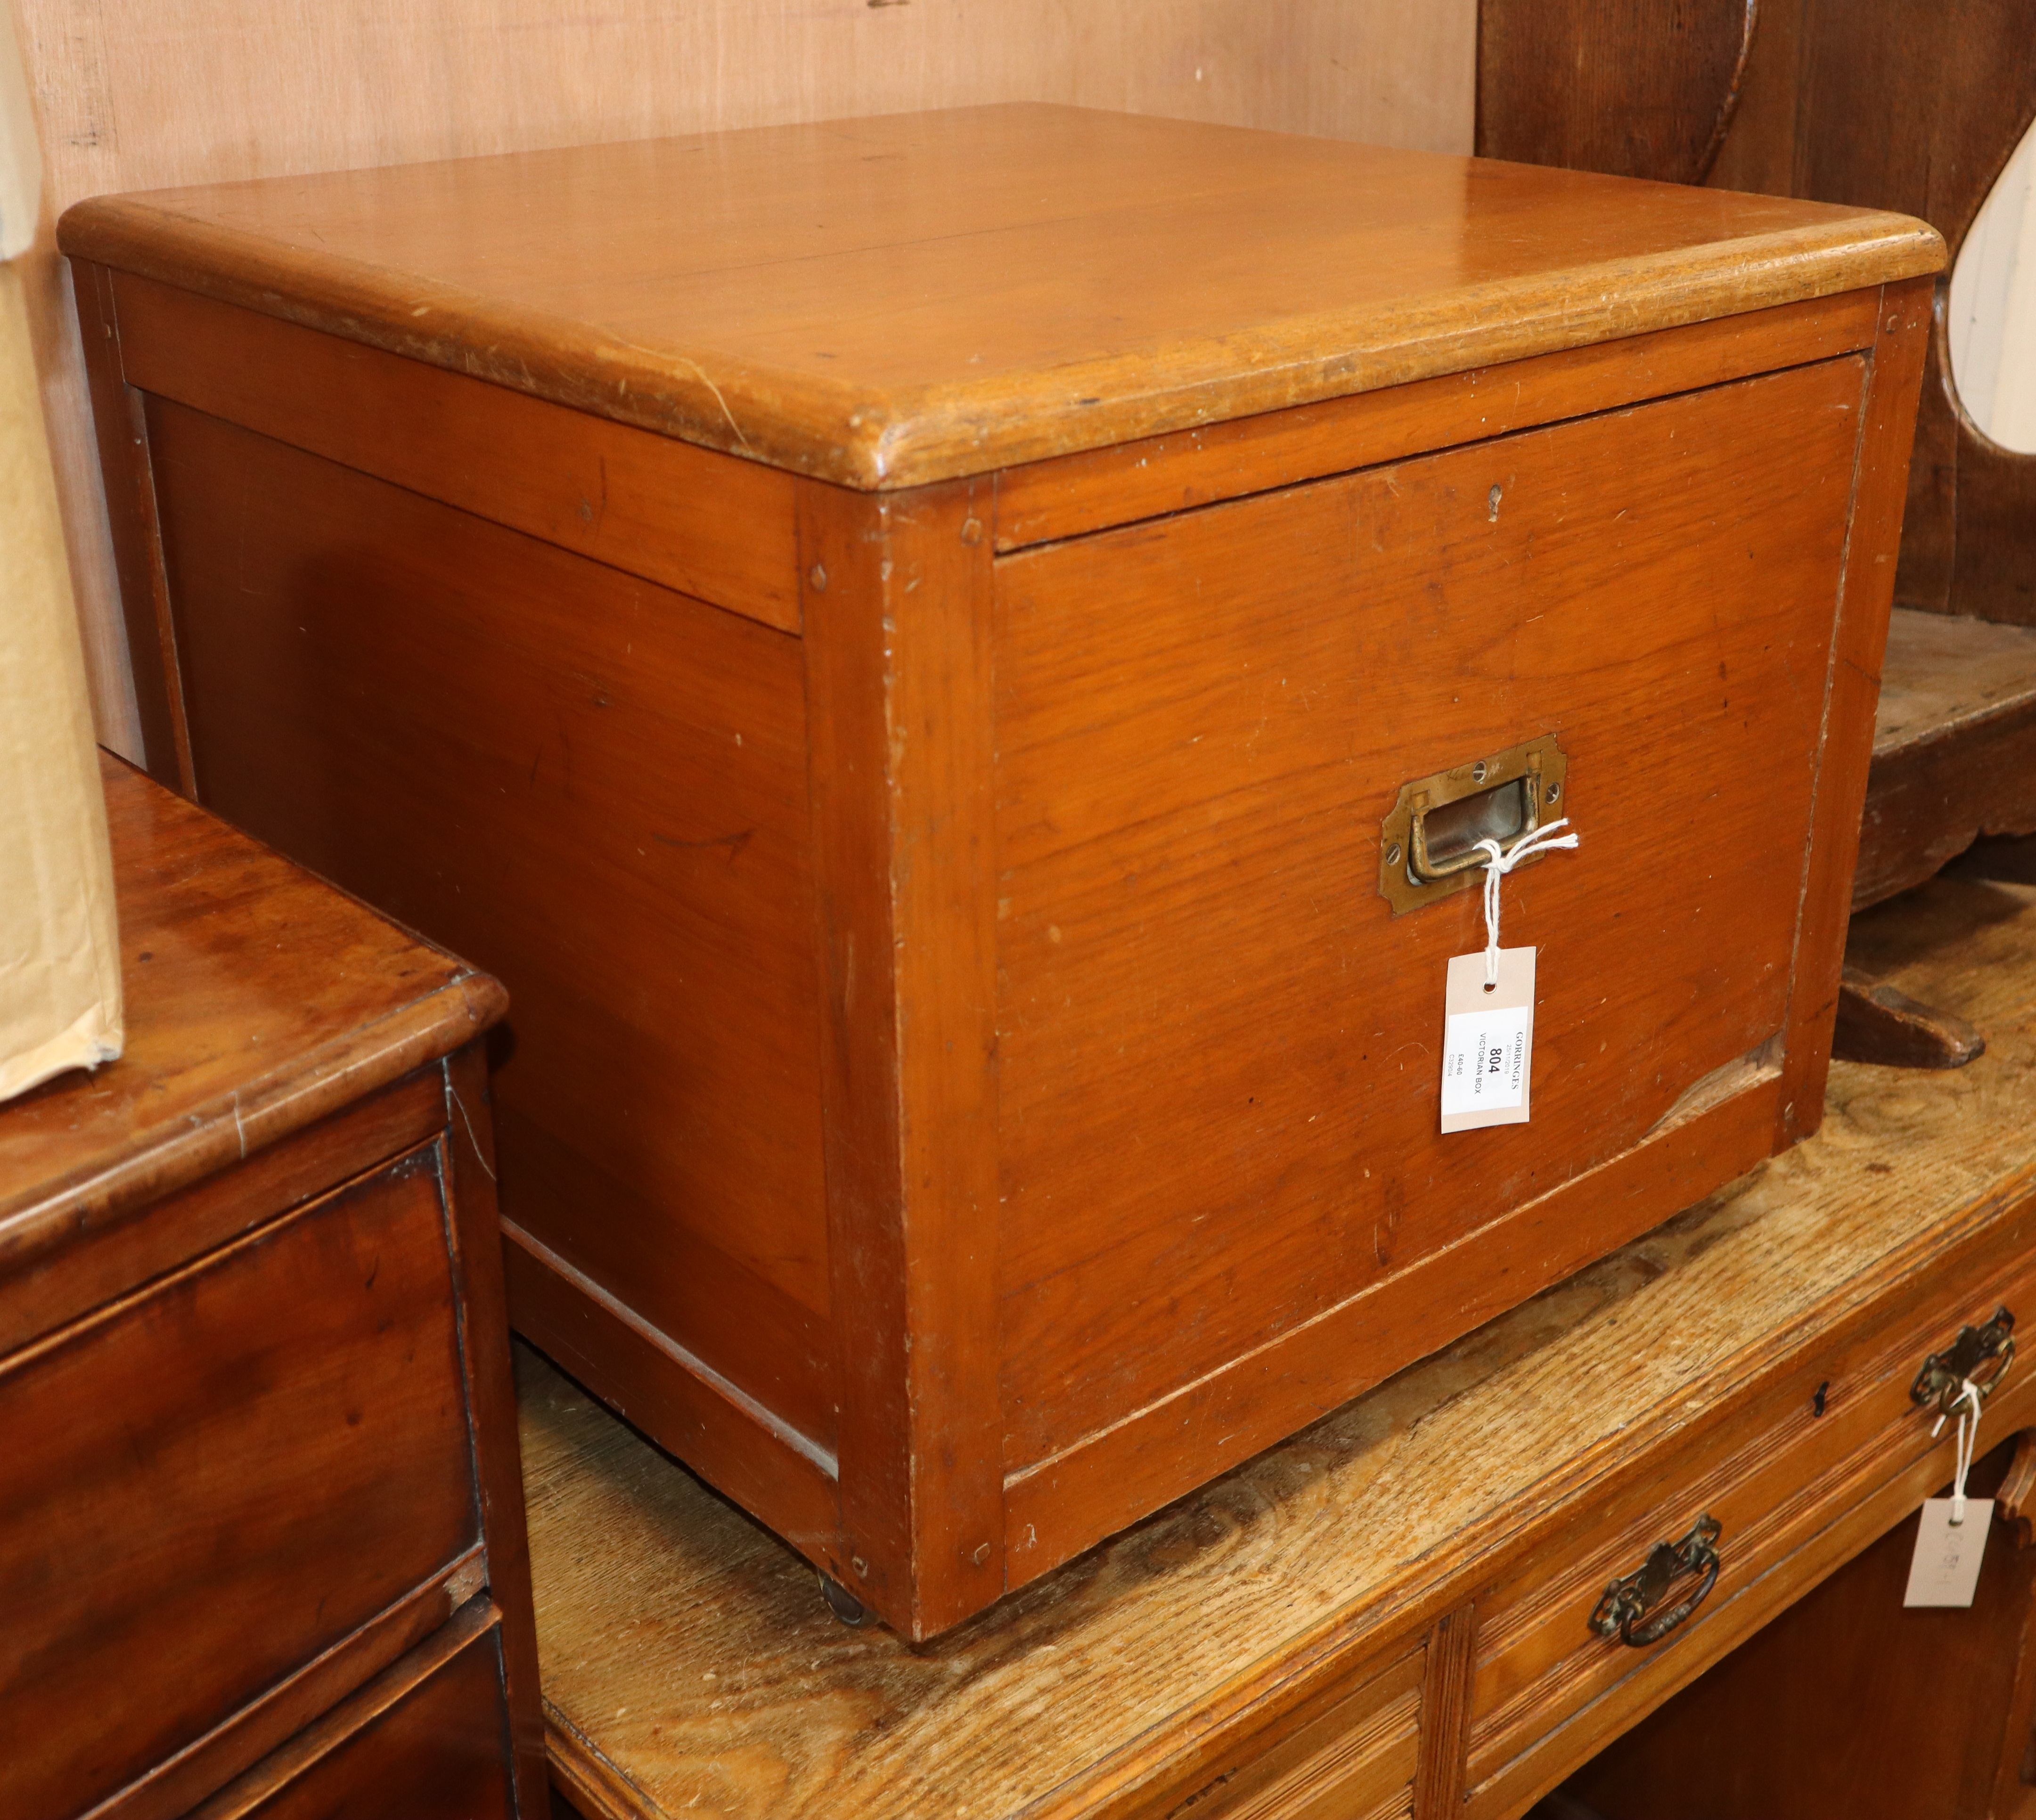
(1487,1041)
(1944,1570)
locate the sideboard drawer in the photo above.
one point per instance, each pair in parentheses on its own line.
(214,1480)
(1345,1751)
(1793,1472)
(425,1737)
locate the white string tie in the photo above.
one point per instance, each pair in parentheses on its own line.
(1534,840)
(1968,1440)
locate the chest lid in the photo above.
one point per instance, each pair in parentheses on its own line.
(887,302)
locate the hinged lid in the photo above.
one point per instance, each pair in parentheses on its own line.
(887,302)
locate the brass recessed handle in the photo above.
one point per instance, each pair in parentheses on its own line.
(1981,1354)
(1428,843)
(1629,1609)
(1504,813)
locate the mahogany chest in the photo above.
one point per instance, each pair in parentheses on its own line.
(953,662)
(262,1539)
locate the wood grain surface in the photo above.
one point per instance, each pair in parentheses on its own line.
(1859,641)
(471,1169)
(892,302)
(1637,87)
(1848,1704)
(802,1185)
(137,94)
(1910,104)
(244,1042)
(691,1668)
(1150,475)
(898,648)
(1954,747)
(423,1737)
(608,810)
(1914,105)
(253,1352)
(349,1473)
(1202,1156)
(635,501)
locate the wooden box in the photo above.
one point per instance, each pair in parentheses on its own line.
(904,642)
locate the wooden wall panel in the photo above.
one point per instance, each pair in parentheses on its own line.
(133,94)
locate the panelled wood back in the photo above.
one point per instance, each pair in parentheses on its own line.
(1638,87)
(1907,105)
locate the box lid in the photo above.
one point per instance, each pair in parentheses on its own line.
(892,301)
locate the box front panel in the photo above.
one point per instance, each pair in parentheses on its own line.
(1219,1047)
(590,786)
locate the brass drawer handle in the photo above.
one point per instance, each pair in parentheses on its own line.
(1623,1611)
(1976,1348)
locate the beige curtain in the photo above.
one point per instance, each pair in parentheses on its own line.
(60,1004)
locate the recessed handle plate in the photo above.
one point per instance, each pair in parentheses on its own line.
(1428,845)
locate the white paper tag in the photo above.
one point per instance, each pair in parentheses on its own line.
(1488,1042)
(1944,1570)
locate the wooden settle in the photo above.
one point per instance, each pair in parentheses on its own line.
(1388,1614)
(262,1537)
(905,679)
(1905,105)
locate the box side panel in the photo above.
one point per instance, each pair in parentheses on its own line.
(692,520)
(1219,1047)
(590,785)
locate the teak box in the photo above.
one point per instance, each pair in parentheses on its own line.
(915,645)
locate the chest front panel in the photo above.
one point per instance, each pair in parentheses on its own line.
(1218,1044)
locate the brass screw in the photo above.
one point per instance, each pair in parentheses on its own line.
(1392,854)
(1555,793)
(1477,772)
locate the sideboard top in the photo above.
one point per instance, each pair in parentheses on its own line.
(892,301)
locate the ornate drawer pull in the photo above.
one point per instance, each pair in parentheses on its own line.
(1623,1611)
(1937,1384)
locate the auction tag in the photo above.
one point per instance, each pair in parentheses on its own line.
(1945,1568)
(1487,1041)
